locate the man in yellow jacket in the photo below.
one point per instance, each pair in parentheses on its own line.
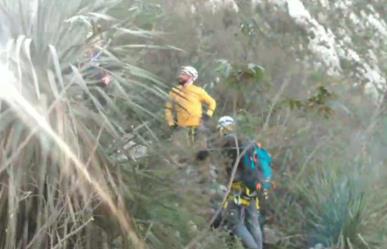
(184,107)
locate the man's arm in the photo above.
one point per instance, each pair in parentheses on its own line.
(207,99)
(169,111)
(265,164)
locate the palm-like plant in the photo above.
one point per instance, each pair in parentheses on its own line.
(56,173)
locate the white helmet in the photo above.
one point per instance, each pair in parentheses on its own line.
(190,71)
(226,122)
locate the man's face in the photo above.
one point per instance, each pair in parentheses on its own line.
(184,78)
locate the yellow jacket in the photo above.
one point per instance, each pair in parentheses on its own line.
(186,103)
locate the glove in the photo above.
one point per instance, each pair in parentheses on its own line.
(205,117)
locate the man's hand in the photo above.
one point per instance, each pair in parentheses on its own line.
(106,79)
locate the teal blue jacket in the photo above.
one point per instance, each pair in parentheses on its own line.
(254,166)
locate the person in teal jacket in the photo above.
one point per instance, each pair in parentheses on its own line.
(240,213)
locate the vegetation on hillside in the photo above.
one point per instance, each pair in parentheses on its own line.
(89,167)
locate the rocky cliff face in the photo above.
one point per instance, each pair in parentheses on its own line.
(345,38)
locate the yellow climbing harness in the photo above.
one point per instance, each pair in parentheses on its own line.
(241,195)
